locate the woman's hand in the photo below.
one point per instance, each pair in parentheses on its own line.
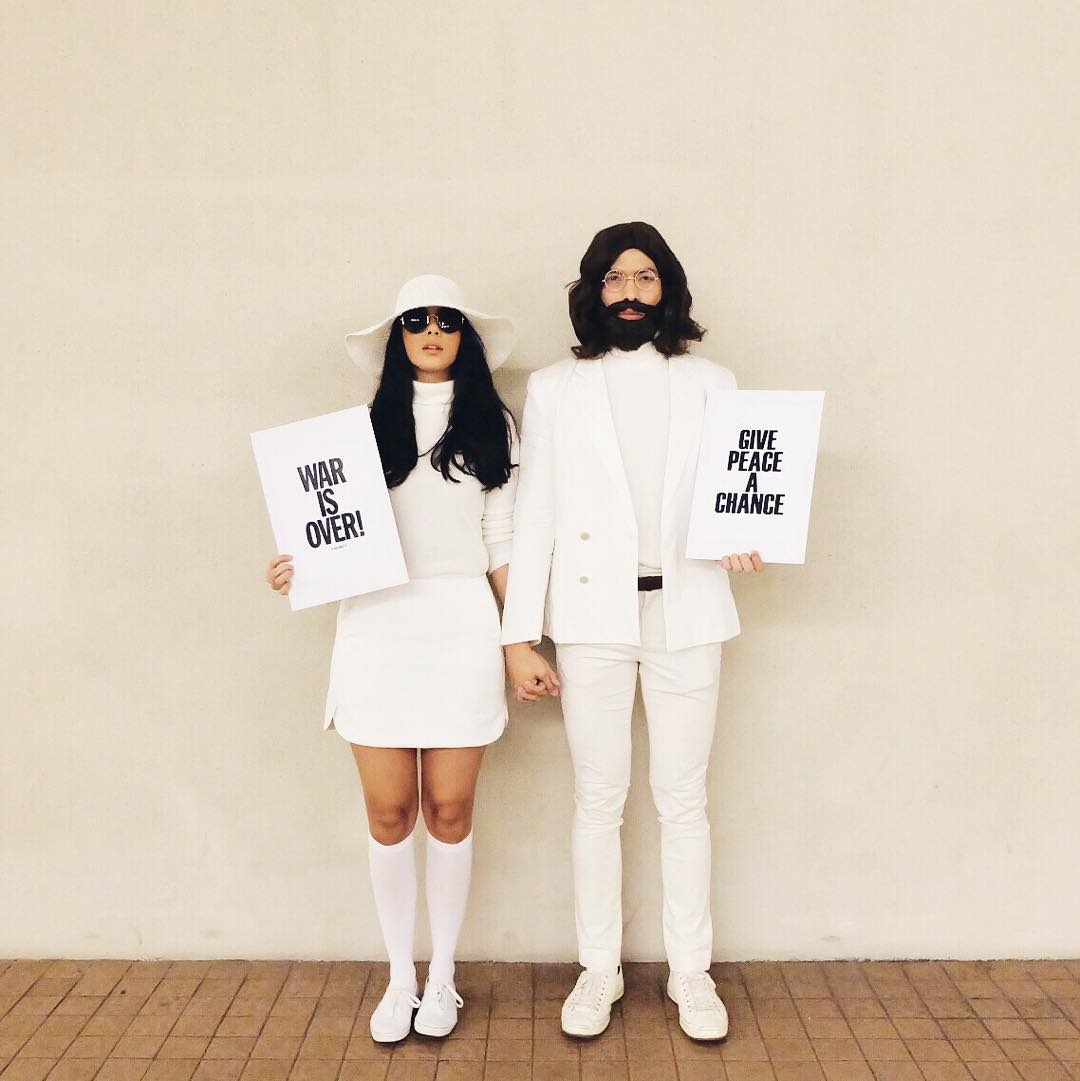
(750,562)
(530,675)
(279,574)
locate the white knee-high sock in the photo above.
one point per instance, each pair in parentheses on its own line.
(393,881)
(449,870)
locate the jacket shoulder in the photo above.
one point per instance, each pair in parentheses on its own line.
(551,375)
(715,376)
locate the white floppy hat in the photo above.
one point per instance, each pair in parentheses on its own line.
(367,348)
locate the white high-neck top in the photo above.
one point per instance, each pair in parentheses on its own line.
(447,528)
(637,386)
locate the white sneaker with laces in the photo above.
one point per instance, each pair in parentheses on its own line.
(587,1011)
(437,1015)
(392,1018)
(702,1015)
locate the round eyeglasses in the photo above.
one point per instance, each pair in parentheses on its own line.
(645,279)
(416,320)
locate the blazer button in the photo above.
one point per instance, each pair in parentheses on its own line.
(584,536)
(583,579)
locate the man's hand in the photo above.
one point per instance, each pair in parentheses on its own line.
(530,675)
(750,562)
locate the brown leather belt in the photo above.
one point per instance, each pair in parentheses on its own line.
(653,581)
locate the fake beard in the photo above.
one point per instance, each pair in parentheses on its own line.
(633,333)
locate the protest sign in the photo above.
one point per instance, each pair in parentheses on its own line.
(755,474)
(329,507)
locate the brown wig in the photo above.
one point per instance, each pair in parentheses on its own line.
(675,328)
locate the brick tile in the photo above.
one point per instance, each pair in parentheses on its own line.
(222,1069)
(789,1050)
(276,1047)
(558,1049)
(874,1028)
(93,1047)
(917,1028)
(993,1071)
(1042,1071)
(978,1051)
(315,1069)
(27,1069)
(137,1046)
(836,1050)
(749,1071)
(411,1071)
(364,1070)
(509,1050)
(932,1051)
(550,1070)
(884,1050)
(1055,1028)
(240,1026)
(649,1049)
(75,1069)
(1008,1028)
(1024,1050)
(787,1028)
(798,1071)
(743,1049)
(123,1069)
(827,1028)
(848,1070)
(265,1069)
(665,1071)
(325,1047)
(892,1070)
(154,1024)
(462,1050)
(107,1025)
(703,1070)
(1066,1050)
(230,1047)
(78,1006)
(171,1069)
(183,1047)
(945,1071)
(597,1071)
(964,1028)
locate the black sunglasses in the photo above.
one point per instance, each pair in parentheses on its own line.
(416,320)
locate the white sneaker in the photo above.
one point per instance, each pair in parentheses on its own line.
(587,1011)
(437,1015)
(702,1015)
(392,1018)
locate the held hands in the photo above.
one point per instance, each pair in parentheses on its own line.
(279,574)
(530,675)
(750,562)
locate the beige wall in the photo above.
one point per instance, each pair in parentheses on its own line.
(881,199)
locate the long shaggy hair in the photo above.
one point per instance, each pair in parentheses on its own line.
(676,328)
(477,436)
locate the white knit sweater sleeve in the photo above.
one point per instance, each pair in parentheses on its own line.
(497,523)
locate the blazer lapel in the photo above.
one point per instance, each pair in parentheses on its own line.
(684,432)
(597,417)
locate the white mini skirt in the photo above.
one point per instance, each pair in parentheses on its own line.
(419,665)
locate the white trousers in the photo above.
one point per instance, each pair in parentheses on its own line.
(680,695)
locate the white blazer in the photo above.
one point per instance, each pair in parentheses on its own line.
(574,563)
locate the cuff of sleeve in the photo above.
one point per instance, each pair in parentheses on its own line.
(499,554)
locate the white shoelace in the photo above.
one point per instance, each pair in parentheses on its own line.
(589,992)
(698,991)
(441,990)
(399,992)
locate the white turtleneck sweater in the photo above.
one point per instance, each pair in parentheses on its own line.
(637,386)
(447,528)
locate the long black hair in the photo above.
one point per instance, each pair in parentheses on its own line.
(477,436)
(675,330)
